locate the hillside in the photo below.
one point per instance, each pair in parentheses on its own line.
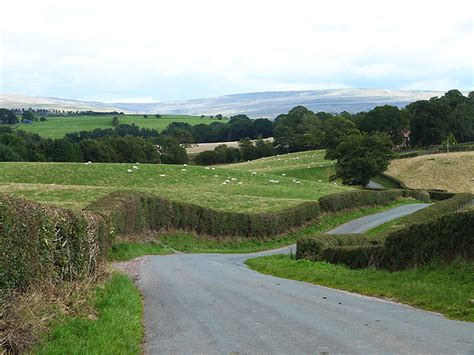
(452,172)
(260,104)
(76,185)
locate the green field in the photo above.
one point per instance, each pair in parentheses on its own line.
(76,184)
(57,127)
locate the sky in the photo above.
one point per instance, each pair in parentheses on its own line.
(143,51)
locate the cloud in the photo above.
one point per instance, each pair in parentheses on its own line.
(183,49)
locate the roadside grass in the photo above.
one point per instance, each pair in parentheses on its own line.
(122,251)
(192,243)
(77,184)
(117,328)
(443,288)
(452,172)
(58,127)
(385,228)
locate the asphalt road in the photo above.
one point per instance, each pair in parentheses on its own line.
(213,304)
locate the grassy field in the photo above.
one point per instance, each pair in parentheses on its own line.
(57,127)
(118,328)
(447,289)
(76,184)
(452,172)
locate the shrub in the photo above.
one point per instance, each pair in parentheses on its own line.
(355,199)
(355,257)
(50,244)
(444,238)
(310,248)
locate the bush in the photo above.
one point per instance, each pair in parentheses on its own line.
(444,238)
(355,257)
(47,244)
(355,199)
(310,248)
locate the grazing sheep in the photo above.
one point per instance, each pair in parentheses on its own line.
(224,183)
(254,173)
(320,180)
(272,181)
(277,181)
(183,169)
(240,182)
(89,162)
(130,170)
(294,180)
(162,175)
(216,175)
(335,184)
(283,174)
(185,164)
(135,167)
(213,168)
(298,182)
(234,179)
(207,168)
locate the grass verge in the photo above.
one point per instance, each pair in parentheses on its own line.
(447,289)
(117,328)
(191,243)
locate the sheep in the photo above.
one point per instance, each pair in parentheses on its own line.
(320,180)
(207,168)
(294,180)
(185,164)
(89,162)
(298,182)
(135,167)
(162,175)
(213,168)
(130,170)
(277,181)
(224,183)
(272,181)
(183,170)
(254,173)
(216,175)
(240,182)
(283,174)
(335,184)
(234,179)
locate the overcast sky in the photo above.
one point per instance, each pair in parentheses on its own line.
(164,50)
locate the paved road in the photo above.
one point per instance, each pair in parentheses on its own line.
(363,224)
(213,304)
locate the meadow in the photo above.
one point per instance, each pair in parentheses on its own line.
(452,172)
(248,188)
(58,126)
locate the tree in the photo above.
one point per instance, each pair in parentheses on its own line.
(42,118)
(387,119)
(247,149)
(361,156)
(170,151)
(7,117)
(428,121)
(27,116)
(115,121)
(335,129)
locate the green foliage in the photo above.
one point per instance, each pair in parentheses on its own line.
(222,154)
(118,328)
(27,116)
(388,119)
(7,117)
(442,288)
(362,156)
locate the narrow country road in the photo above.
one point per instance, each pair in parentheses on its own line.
(213,304)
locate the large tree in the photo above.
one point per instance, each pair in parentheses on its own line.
(7,117)
(361,156)
(428,121)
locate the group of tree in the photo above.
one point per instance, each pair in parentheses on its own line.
(247,150)
(22,146)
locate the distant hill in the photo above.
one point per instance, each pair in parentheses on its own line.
(260,104)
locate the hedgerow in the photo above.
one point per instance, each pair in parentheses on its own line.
(438,231)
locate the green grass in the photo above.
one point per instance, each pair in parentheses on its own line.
(118,328)
(57,127)
(385,228)
(122,251)
(75,185)
(191,243)
(447,289)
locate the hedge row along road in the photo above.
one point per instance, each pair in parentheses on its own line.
(210,303)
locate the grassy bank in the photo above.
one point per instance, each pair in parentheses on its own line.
(447,289)
(116,329)
(191,243)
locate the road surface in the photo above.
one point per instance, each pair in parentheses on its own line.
(213,304)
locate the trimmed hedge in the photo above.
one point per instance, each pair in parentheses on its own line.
(356,257)
(437,231)
(40,242)
(444,238)
(311,248)
(132,212)
(362,198)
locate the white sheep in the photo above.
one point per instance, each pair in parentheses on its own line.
(207,168)
(185,164)
(130,170)
(283,174)
(272,181)
(183,170)
(320,180)
(213,168)
(254,173)
(234,179)
(224,183)
(294,180)
(135,167)
(240,182)
(162,175)
(298,182)
(216,175)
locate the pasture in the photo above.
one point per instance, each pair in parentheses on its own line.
(453,172)
(75,185)
(58,126)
